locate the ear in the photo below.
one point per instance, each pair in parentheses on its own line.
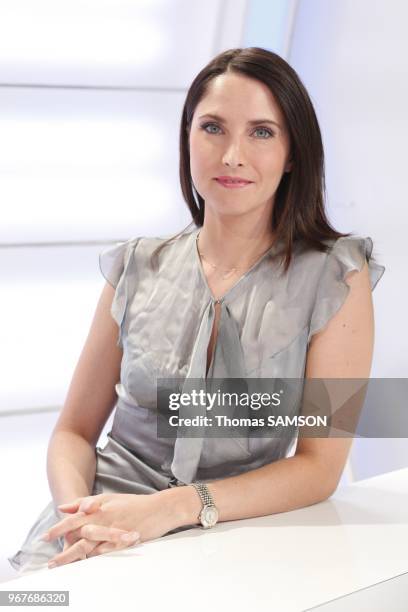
(288,166)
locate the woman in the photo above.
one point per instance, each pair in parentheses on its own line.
(263,287)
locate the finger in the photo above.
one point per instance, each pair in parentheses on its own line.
(89,504)
(99,545)
(69,505)
(71,537)
(87,508)
(76,552)
(68,544)
(69,509)
(100,533)
(83,504)
(105,547)
(67,524)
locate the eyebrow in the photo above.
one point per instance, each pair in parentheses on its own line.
(252,122)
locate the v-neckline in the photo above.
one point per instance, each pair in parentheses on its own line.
(204,279)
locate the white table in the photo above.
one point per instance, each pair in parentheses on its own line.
(287,562)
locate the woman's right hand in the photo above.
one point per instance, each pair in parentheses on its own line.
(72,537)
(112,536)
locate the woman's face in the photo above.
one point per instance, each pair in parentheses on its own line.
(234,146)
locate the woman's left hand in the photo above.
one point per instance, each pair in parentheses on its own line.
(96,516)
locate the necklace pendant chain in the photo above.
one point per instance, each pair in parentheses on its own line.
(228,273)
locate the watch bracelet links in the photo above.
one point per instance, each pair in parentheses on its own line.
(204,493)
(200,487)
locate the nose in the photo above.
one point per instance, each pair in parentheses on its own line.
(233,155)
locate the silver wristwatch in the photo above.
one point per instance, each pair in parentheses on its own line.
(209,513)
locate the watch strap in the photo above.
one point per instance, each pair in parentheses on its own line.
(204,493)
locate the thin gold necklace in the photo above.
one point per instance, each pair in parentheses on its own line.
(230,271)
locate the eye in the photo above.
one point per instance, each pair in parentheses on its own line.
(266,130)
(204,127)
(268,133)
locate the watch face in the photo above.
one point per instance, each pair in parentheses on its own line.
(209,515)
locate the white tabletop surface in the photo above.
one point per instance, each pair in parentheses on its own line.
(288,562)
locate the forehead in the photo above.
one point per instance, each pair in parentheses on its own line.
(235,94)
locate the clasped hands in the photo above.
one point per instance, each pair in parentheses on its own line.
(102,523)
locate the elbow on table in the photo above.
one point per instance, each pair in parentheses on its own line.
(319,494)
(329,486)
(324,481)
(328,491)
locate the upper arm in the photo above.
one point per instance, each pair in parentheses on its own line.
(91,395)
(342,349)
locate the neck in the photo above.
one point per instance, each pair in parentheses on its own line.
(233,250)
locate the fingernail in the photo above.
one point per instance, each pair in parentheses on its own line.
(129,537)
(45,537)
(52,564)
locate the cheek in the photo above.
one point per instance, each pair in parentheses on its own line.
(202,145)
(200,158)
(271,164)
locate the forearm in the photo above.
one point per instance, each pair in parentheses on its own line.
(286,484)
(71,465)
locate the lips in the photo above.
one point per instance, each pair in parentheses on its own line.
(230,180)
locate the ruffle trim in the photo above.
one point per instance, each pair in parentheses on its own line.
(347,254)
(114,264)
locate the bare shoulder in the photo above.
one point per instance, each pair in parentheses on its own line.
(344,347)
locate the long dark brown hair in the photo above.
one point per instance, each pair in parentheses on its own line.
(299,211)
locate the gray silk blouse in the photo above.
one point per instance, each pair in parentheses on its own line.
(165,318)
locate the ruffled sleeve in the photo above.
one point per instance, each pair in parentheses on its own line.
(348,253)
(117,265)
